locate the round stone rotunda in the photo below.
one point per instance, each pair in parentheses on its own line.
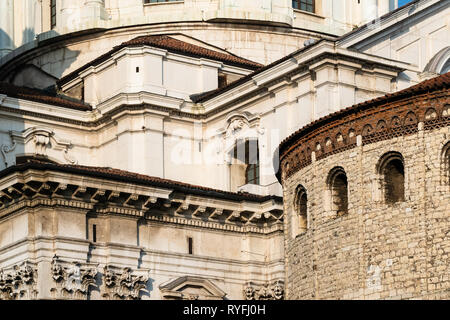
(366,199)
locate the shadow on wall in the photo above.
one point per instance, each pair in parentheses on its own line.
(40,72)
(28,35)
(6,43)
(37,68)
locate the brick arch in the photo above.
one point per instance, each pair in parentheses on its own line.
(381,126)
(446,111)
(367,130)
(431,114)
(410,119)
(395,122)
(380,119)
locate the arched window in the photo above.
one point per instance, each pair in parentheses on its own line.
(392,172)
(301,209)
(440,63)
(446,67)
(446,163)
(337,183)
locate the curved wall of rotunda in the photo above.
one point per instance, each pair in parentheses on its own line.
(366,198)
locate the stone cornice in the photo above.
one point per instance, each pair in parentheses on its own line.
(249,88)
(310,58)
(33,188)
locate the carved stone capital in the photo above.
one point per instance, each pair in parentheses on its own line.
(122,284)
(267,291)
(19,283)
(73,281)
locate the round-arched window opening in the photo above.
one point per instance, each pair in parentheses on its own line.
(446,163)
(301,206)
(338,186)
(392,171)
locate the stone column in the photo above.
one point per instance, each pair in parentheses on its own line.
(369,10)
(6,27)
(69,15)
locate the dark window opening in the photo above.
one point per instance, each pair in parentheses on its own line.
(137,69)
(302,209)
(250,158)
(392,174)
(190,245)
(394,181)
(339,191)
(304,5)
(94,233)
(53,14)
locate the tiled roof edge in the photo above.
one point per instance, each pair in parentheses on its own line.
(130,177)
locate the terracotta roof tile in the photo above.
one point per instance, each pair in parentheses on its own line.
(173,45)
(42,96)
(131,177)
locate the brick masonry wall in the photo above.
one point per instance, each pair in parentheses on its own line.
(377,250)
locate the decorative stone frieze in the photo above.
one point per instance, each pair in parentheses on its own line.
(372,121)
(267,291)
(237,215)
(122,284)
(72,280)
(20,284)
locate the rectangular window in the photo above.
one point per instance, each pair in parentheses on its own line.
(53,13)
(304,5)
(190,245)
(94,233)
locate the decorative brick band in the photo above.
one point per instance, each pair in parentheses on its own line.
(378,120)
